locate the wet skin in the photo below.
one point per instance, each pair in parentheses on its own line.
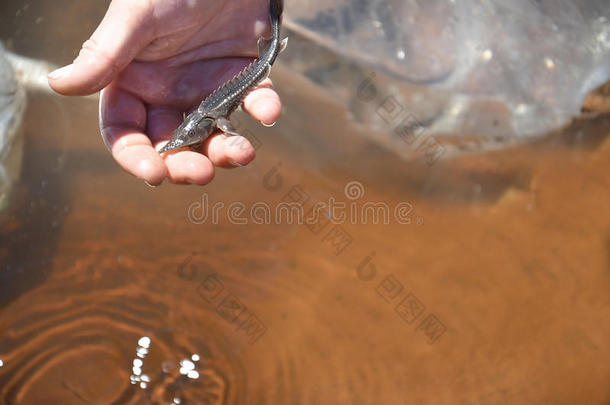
(154,65)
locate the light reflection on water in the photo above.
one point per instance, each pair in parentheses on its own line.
(498,295)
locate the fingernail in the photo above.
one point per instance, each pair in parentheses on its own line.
(150,185)
(268,125)
(61,72)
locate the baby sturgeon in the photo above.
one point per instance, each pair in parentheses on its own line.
(213,113)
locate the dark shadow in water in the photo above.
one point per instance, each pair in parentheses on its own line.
(30,228)
(482,178)
(586,134)
(25,27)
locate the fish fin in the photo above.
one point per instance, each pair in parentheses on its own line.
(263,44)
(226,126)
(283,44)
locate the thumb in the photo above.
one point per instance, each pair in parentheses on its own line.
(122,34)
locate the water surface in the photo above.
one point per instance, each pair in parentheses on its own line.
(496,291)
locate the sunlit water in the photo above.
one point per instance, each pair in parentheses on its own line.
(490,283)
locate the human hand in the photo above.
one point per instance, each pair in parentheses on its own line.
(156,60)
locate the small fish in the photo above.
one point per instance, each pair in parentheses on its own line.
(213,113)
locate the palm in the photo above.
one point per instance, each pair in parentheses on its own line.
(177,54)
(194,50)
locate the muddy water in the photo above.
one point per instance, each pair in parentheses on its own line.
(489,285)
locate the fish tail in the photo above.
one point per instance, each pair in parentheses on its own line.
(276,8)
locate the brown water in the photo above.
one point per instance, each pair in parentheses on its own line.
(497,291)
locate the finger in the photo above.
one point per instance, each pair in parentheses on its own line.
(228,151)
(125,30)
(264,103)
(183,167)
(188,167)
(122,123)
